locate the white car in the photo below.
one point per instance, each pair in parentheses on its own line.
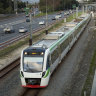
(8,29)
(22,30)
(41,23)
(57,16)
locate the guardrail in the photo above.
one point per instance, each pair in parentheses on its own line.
(15,39)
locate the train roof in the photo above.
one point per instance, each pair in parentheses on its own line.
(49,39)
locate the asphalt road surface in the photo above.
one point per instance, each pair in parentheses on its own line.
(19,22)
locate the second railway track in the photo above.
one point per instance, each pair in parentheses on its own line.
(9,67)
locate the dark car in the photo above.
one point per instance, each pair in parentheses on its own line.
(27,20)
(54,18)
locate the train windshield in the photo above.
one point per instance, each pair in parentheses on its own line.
(33,64)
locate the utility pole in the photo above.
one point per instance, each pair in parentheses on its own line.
(34,8)
(64,6)
(76,12)
(15,6)
(86,9)
(30,40)
(83,9)
(46,18)
(53,5)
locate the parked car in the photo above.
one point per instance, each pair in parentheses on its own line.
(9,29)
(22,30)
(41,23)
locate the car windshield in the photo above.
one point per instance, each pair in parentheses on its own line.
(33,64)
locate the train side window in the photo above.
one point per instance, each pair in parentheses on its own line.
(64,44)
(48,62)
(71,37)
(54,55)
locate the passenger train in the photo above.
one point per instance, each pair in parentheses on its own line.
(40,60)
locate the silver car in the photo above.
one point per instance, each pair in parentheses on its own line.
(22,30)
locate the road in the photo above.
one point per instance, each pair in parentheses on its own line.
(60,81)
(19,22)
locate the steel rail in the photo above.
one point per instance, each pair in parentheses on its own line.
(9,67)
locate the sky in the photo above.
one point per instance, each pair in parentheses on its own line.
(31,1)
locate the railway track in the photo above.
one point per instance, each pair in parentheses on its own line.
(31,92)
(9,67)
(15,39)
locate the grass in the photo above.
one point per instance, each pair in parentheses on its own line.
(12,47)
(43,14)
(57,25)
(40,14)
(71,17)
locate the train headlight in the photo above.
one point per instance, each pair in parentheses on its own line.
(25,53)
(42,53)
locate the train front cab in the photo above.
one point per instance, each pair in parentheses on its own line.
(31,78)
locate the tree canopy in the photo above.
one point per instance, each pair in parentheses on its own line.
(56,4)
(7,6)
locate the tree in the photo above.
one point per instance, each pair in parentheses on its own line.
(9,9)
(58,4)
(42,5)
(7,6)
